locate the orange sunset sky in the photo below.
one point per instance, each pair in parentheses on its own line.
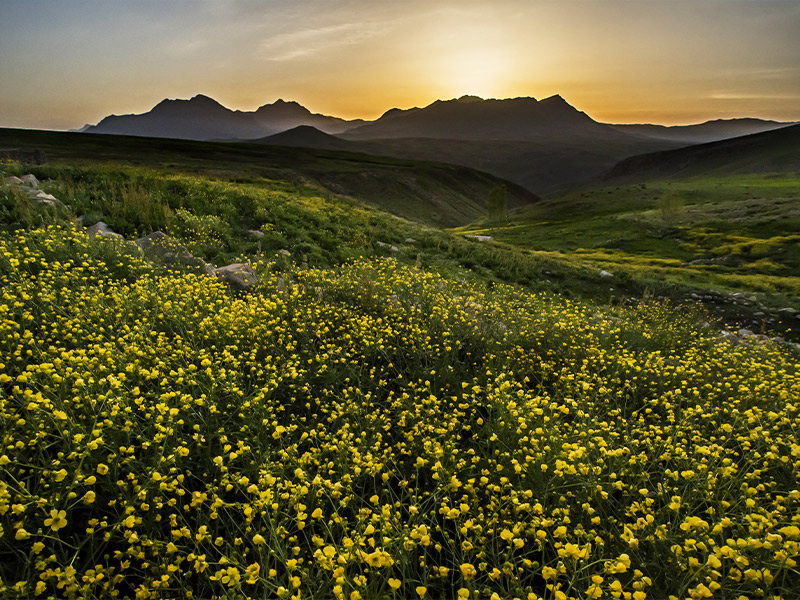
(66,63)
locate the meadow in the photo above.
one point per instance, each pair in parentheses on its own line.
(704,236)
(442,421)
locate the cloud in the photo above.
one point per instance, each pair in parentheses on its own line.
(319,41)
(746,96)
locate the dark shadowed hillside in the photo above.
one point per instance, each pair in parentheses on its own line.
(710,131)
(776,151)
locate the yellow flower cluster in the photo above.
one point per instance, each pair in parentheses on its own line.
(376,431)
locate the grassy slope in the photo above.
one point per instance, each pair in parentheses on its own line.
(443,195)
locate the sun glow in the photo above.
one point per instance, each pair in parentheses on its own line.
(482,72)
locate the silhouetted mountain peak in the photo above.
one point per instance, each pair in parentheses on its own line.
(474,118)
(554,99)
(199,103)
(557,102)
(396,112)
(282,102)
(203,99)
(283,108)
(202,117)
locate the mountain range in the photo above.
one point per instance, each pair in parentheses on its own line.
(203,118)
(546,146)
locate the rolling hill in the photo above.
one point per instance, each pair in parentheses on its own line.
(438,194)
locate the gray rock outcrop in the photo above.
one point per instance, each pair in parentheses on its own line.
(102,229)
(30,179)
(239,276)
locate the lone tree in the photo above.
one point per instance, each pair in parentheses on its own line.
(670,208)
(497,204)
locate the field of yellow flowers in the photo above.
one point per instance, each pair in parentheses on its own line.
(374,430)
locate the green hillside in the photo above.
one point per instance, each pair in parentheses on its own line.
(438,194)
(392,410)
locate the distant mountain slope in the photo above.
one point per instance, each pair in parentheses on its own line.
(776,151)
(203,118)
(710,131)
(432,193)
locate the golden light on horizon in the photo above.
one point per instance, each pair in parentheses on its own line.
(478,72)
(620,61)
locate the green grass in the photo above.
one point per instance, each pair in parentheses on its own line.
(723,235)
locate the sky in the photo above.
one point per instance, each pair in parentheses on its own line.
(64,63)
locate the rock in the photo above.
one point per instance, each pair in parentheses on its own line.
(606,274)
(239,276)
(389,246)
(159,247)
(255,233)
(284,252)
(787,311)
(745,333)
(154,240)
(100,228)
(480,238)
(49,200)
(30,180)
(13,180)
